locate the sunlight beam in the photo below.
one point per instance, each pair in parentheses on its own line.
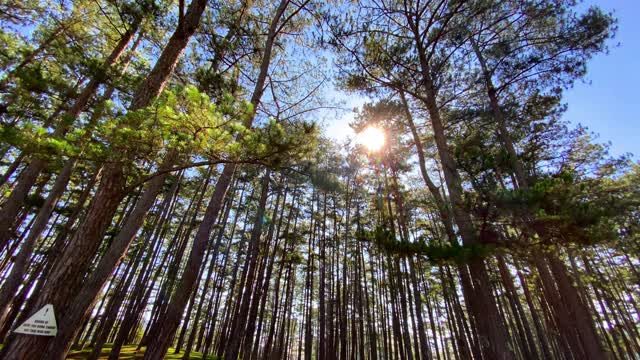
(372,138)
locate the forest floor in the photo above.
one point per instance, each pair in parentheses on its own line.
(130,352)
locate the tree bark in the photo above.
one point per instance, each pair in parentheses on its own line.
(72,268)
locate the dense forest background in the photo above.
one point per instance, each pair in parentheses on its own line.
(166,187)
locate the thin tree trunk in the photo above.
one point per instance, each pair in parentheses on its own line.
(162,336)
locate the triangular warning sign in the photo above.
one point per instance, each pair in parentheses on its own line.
(42,323)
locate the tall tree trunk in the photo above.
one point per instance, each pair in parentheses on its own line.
(69,272)
(494,339)
(42,218)
(239,324)
(580,314)
(162,337)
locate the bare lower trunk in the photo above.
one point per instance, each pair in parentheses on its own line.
(12,282)
(11,169)
(578,312)
(494,336)
(16,199)
(87,296)
(63,282)
(162,336)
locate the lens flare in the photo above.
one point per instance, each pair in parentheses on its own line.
(372,138)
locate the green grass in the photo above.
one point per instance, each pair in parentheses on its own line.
(129,352)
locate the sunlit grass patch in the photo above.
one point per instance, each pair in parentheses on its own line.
(130,352)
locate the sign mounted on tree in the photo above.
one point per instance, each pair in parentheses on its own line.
(42,323)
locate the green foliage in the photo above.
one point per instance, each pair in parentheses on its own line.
(570,209)
(293,257)
(436,253)
(276,144)
(186,121)
(181,119)
(324,180)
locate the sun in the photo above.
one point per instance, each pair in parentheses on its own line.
(372,138)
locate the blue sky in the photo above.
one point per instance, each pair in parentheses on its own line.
(607,103)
